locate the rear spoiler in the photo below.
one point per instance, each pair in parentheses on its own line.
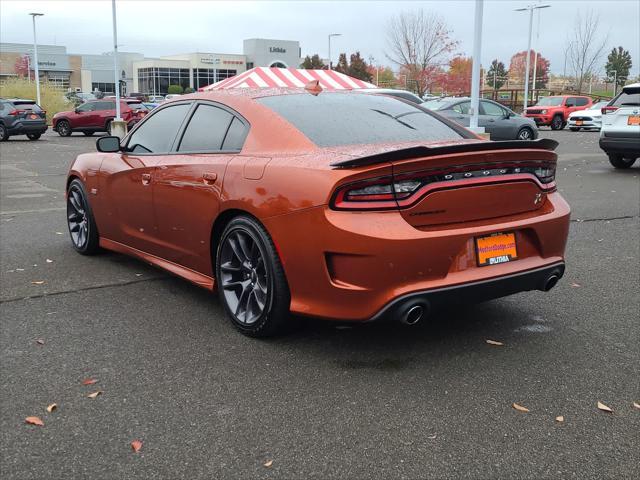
(422,151)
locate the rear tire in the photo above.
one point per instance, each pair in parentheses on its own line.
(574,129)
(33,136)
(4,133)
(80,220)
(557,123)
(251,282)
(63,128)
(618,161)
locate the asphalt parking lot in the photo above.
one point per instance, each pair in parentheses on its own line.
(326,401)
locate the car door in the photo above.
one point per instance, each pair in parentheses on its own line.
(85,116)
(496,122)
(188,183)
(459,113)
(126,179)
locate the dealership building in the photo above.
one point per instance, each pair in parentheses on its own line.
(138,73)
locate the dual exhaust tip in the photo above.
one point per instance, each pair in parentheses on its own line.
(416,312)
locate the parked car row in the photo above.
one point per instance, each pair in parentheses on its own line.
(19,116)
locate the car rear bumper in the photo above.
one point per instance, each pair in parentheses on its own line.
(623,145)
(543,279)
(352,265)
(20,128)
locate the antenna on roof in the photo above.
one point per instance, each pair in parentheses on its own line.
(313,87)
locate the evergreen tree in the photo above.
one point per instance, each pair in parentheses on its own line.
(498,73)
(358,68)
(619,61)
(313,63)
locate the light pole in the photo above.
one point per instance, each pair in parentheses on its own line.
(35,55)
(475,68)
(615,81)
(530,8)
(332,35)
(115,61)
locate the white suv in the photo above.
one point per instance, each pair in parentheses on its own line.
(620,132)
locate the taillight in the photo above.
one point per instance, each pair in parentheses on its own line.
(401,191)
(608,109)
(16,112)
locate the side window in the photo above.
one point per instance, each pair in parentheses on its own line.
(570,102)
(235,136)
(462,108)
(206,130)
(493,109)
(157,132)
(581,101)
(87,107)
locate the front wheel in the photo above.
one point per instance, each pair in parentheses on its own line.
(525,133)
(64,128)
(251,282)
(80,220)
(33,136)
(557,123)
(618,161)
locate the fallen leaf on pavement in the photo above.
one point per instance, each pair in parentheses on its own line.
(49,260)
(19,269)
(560,419)
(34,421)
(576,285)
(94,394)
(89,381)
(494,342)
(269,463)
(520,408)
(637,405)
(604,408)
(432,437)
(38,282)
(58,233)
(40,341)
(52,407)
(136,445)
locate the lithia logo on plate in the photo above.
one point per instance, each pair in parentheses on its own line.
(500,259)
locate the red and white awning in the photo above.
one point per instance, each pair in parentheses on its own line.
(271,77)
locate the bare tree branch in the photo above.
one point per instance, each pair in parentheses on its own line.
(584,48)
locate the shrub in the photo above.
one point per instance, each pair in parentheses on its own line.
(52,100)
(175,89)
(189,90)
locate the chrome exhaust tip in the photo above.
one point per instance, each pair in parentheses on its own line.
(413,315)
(551,282)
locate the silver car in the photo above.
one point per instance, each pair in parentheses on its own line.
(497,120)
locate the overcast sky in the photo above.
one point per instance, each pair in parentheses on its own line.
(157,28)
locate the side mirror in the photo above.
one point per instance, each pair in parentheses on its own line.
(77,110)
(108,144)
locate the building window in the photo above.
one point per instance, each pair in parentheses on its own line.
(154,80)
(207,76)
(103,87)
(58,80)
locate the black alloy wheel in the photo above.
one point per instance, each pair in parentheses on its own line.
(619,161)
(82,226)
(557,123)
(64,128)
(4,134)
(525,133)
(250,278)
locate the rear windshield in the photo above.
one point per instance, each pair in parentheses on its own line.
(628,98)
(437,104)
(31,106)
(550,102)
(331,119)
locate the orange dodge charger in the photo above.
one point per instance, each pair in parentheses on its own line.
(342,205)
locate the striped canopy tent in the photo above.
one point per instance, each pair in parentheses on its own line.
(271,77)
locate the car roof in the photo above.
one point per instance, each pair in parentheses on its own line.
(631,86)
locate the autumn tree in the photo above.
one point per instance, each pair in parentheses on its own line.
(419,42)
(518,67)
(458,78)
(585,47)
(618,61)
(22,66)
(381,75)
(313,63)
(496,75)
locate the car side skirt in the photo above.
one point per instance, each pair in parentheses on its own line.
(197,278)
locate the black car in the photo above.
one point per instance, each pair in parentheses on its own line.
(497,120)
(21,117)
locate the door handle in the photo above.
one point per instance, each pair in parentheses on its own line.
(209,178)
(146,178)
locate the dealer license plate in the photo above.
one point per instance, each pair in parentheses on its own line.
(496,248)
(578,122)
(633,120)
(34,117)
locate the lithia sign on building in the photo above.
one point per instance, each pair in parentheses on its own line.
(277,50)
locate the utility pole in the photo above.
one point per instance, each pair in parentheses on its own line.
(332,35)
(35,56)
(475,68)
(530,8)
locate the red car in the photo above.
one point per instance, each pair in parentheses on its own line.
(554,111)
(96,116)
(342,205)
